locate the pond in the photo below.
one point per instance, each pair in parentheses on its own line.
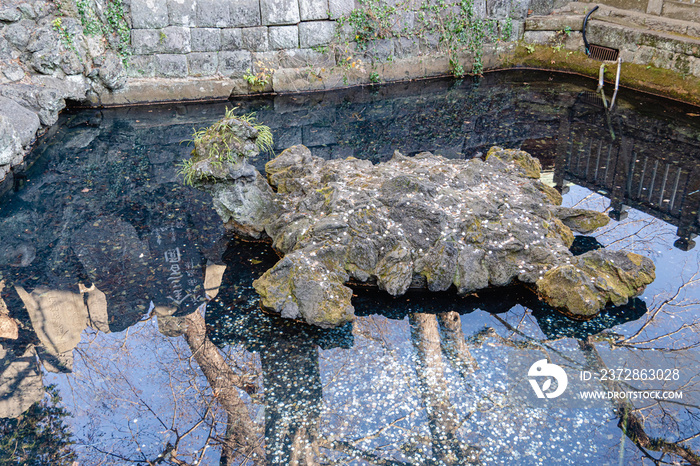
(141,339)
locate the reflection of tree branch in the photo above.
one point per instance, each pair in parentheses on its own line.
(454,345)
(349,449)
(443,419)
(632,426)
(223,381)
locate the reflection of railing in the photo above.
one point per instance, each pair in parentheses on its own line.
(649,167)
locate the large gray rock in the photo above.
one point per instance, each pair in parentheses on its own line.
(45,102)
(422,221)
(25,122)
(10,14)
(10,146)
(112,73)
(18,34)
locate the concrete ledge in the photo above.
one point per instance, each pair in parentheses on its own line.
(154,90)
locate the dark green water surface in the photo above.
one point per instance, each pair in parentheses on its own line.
(108,263)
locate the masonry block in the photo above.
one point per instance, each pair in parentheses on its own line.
(313,9)
(175,39)
(205,39)
(283,37)
(276,12)
(149,14)
(316,33)
(255,39)
(145,41)
(171,65)
(182,12)
(231,39)
(141,66)
(234,64)
(202,63)
(340,8)
(213,13)
(244,13)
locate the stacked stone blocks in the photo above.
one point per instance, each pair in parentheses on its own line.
(181,38)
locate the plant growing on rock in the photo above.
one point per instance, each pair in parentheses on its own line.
(231,140)
(257,81)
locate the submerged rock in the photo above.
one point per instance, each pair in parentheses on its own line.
(423,222)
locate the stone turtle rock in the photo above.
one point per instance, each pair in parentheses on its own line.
(429,222)
(422,222)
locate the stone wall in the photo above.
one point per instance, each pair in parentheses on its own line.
(201,38)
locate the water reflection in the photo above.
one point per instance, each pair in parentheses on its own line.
(126,294)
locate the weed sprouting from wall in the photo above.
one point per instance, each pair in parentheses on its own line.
(458,29)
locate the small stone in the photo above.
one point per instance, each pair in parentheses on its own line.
(10,15)
(14,72)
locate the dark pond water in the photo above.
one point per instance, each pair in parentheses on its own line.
(109,263)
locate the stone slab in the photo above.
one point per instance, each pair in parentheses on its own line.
(175,39)
(205,39)
(203,63)
(147,90)
(310,10)
(149,14)
(231,39)
(145,41)
(283,37)
(182,12)
(340,8)
(234,64)
(255,39)
(315,33)
(213,13)
(277,12)
(171,65)
(244,13)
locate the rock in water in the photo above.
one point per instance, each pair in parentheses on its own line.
(430,222)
